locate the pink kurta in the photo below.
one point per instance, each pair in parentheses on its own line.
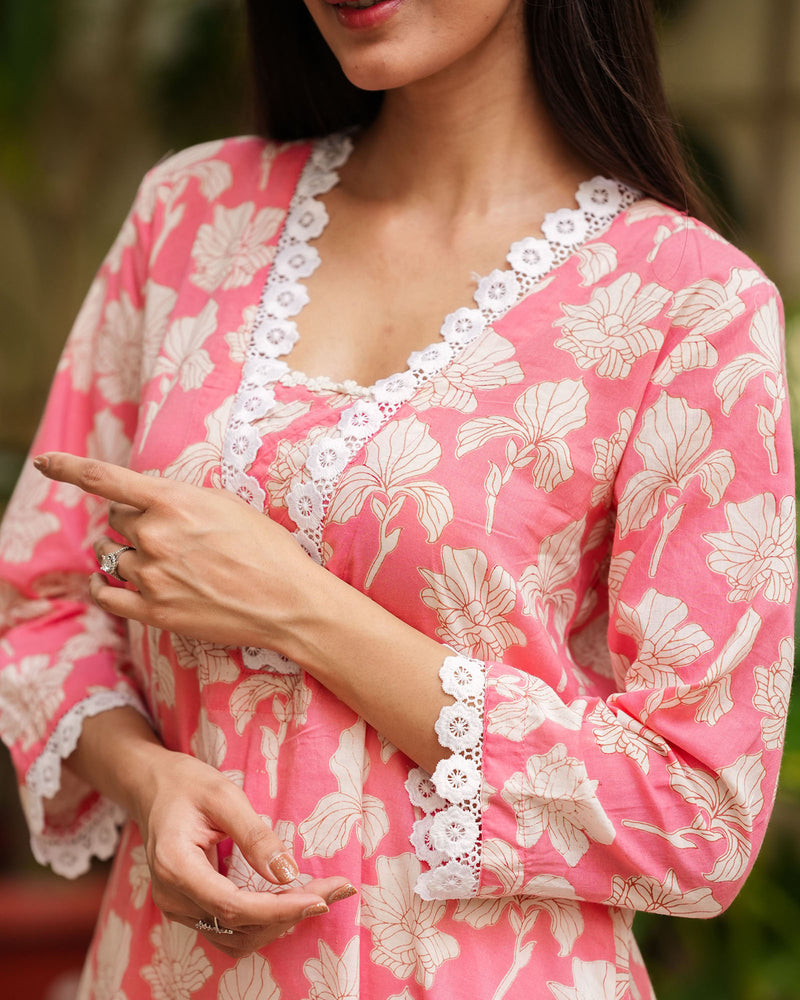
(583,489)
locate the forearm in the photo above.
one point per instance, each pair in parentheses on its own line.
(385,670)
(117,754)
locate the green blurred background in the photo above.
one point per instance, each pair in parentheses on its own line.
(93,92)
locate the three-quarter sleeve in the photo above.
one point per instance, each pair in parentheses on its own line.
(62,659)
(655,796)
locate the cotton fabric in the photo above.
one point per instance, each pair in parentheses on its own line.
(583,489)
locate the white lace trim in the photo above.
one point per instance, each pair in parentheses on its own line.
(69,853)
(321,383)
(275,334)
(448,836)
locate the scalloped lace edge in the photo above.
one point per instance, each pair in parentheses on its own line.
(447,837)
(69,852)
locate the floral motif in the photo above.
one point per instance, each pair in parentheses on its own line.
(113,956)
(405,936)
(704,308)
(673,443)
(331,977)
(228,252)
(731,381)
(178,968)
(394,462)
(554,795)
(771,698)
(643,892)
(250,979)
(756,554)
(592,981)
(610,333)
(472,603)
(545,415)
(329,827)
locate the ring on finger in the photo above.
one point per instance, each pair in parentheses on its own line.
(108,562)
(215,927)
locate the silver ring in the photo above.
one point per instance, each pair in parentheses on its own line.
(204,925)
(108,562)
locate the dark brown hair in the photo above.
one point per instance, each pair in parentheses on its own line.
(595,63)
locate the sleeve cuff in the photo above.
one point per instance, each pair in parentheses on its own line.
(448,836)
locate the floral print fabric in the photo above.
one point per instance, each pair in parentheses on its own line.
(588,499)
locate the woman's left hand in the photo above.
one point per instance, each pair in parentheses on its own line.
(205,564)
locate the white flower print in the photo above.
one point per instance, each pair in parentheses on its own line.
(665,640)
(544,585)
(178,968)
(329,827)
(250,979)
(554,795)
(484,364)
(25,524)
(610,333)
(545,414)
(595,261)
(200,463)
(528,704)
(30,694)
(331,977)
(113,956)
(608,455)
(395,461)
(771,698)
(405,937)
(327,459)
(643,892)
(756,554)
(422,792)
(727,806)
(631,738)
(118,352)
(139,876)
(731,382)
(592,981)
(520,905)
(472,603)
(77,356)
(673,443)
(228,252)
(704,308)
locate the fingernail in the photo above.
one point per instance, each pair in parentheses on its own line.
(343,892)
(284,868)
(41,462)
(314,911)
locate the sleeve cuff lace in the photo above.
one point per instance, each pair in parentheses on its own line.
(447,837)
(94,831)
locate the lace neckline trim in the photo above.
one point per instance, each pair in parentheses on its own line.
(275,333)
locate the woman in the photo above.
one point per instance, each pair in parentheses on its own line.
(499,531)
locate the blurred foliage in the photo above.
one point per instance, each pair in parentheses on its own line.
(92,93)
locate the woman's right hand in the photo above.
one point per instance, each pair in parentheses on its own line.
(184,808)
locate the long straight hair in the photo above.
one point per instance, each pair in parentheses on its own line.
(595,64)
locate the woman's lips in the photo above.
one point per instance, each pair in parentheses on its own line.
(359,18)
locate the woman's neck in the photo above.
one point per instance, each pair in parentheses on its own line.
(466,140)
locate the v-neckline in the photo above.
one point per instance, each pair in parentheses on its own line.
(531,260)
(274,333)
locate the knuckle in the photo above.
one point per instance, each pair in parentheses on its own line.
(227,912)
(93,474)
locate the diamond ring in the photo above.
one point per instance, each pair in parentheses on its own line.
(108,562)
(204,925)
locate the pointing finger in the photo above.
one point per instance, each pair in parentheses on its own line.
(112,482)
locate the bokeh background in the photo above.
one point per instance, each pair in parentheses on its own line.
(93,93)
